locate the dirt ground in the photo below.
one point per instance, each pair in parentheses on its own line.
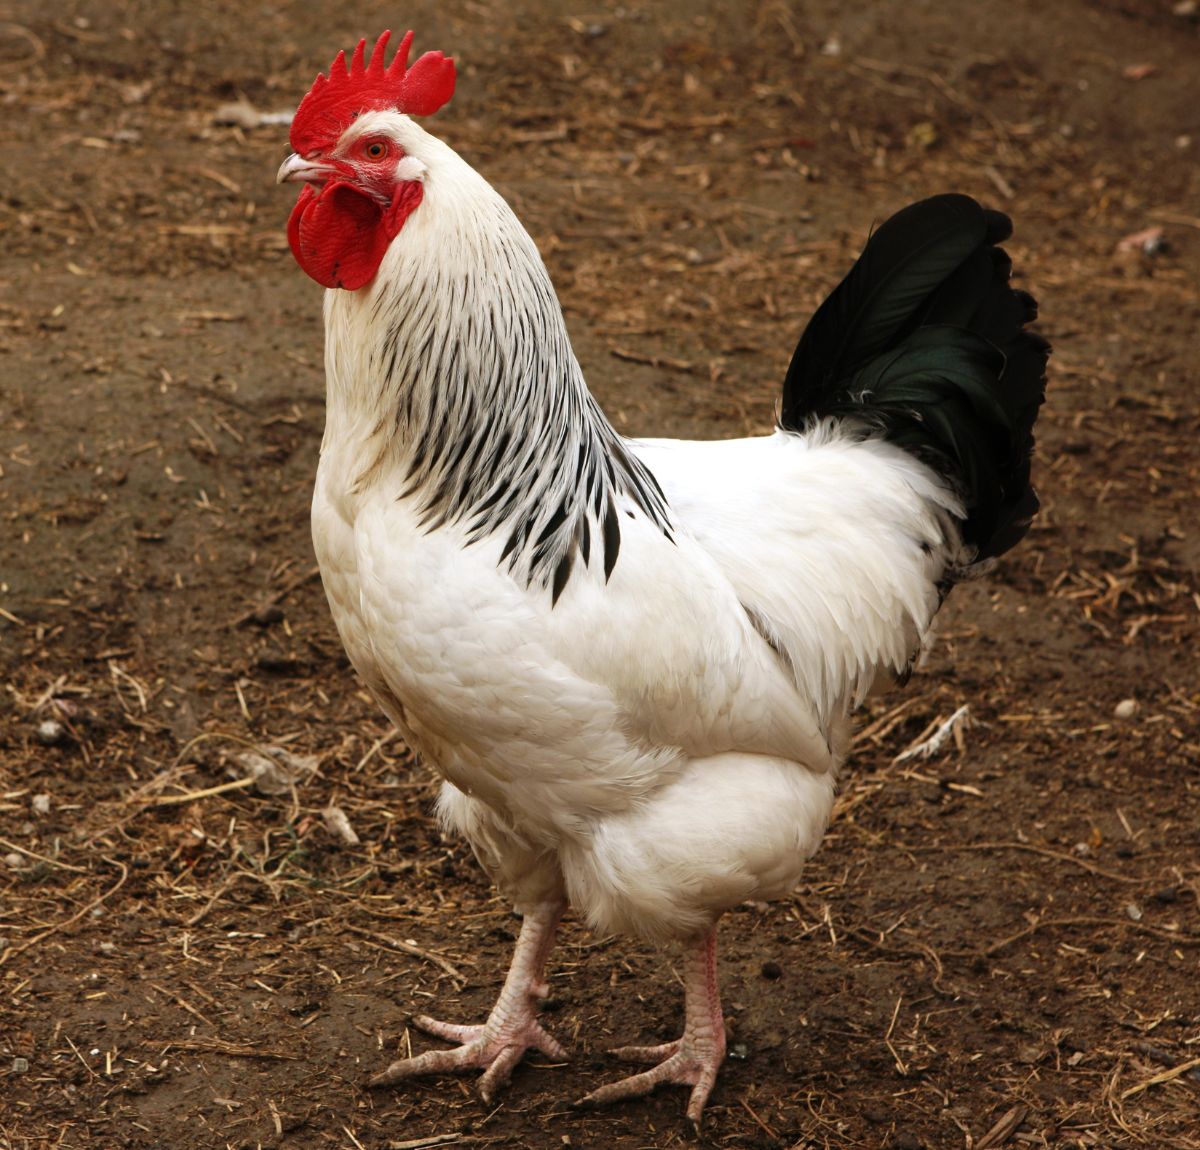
(998,945)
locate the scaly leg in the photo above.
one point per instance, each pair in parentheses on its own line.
(512,1027)
(692,1060)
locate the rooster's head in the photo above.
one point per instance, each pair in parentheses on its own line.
(358,154)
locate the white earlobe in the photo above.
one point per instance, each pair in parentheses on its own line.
(410,168)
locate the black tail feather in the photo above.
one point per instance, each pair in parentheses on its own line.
(925,341)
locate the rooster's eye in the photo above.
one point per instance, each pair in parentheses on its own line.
(376,150)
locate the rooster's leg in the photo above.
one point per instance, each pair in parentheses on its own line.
(692,1060)
(497,1045)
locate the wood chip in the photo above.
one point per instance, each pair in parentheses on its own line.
(1004,1129)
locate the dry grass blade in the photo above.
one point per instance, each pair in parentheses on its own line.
(234,1049)
(1161,1077)
(206,793)
(431,1140)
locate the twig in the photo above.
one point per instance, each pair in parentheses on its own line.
(429,1140)
(80,1056)
(885,722)
(1125,924)
(376,747)
(1164,1058)
(179,1000)
(1004,1128)
(274,597)
(410,948)
(217,895)
(37,49)
(43,858)
(1175,218)
(12,951)
(887,1040)
(653,360)
(758,1121)
(1091,868)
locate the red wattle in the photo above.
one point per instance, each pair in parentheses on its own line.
(339,234)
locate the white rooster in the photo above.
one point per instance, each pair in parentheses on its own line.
(632,662)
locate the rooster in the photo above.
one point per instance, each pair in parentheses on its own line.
(633,662)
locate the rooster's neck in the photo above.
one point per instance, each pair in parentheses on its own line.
(456,368)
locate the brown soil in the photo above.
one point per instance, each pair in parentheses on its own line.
(1007,933)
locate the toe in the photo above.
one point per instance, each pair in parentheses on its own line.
(500,1071)
(451,1031)
(633,1087)
(699,1098)
(648,1055)
(545,1042)
(431,1062)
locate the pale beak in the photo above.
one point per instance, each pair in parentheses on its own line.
(296,169)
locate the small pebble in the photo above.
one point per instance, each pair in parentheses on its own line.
(40,804)
(14,860)
(1125,709)
(50,732)
(1134,912)
(20,1065)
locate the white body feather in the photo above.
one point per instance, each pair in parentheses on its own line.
(663,744)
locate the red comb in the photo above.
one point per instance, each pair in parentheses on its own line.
(332,103)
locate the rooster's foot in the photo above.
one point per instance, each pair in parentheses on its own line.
(512,1027)
(495,1048)
(692,1060)
(685,1064)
